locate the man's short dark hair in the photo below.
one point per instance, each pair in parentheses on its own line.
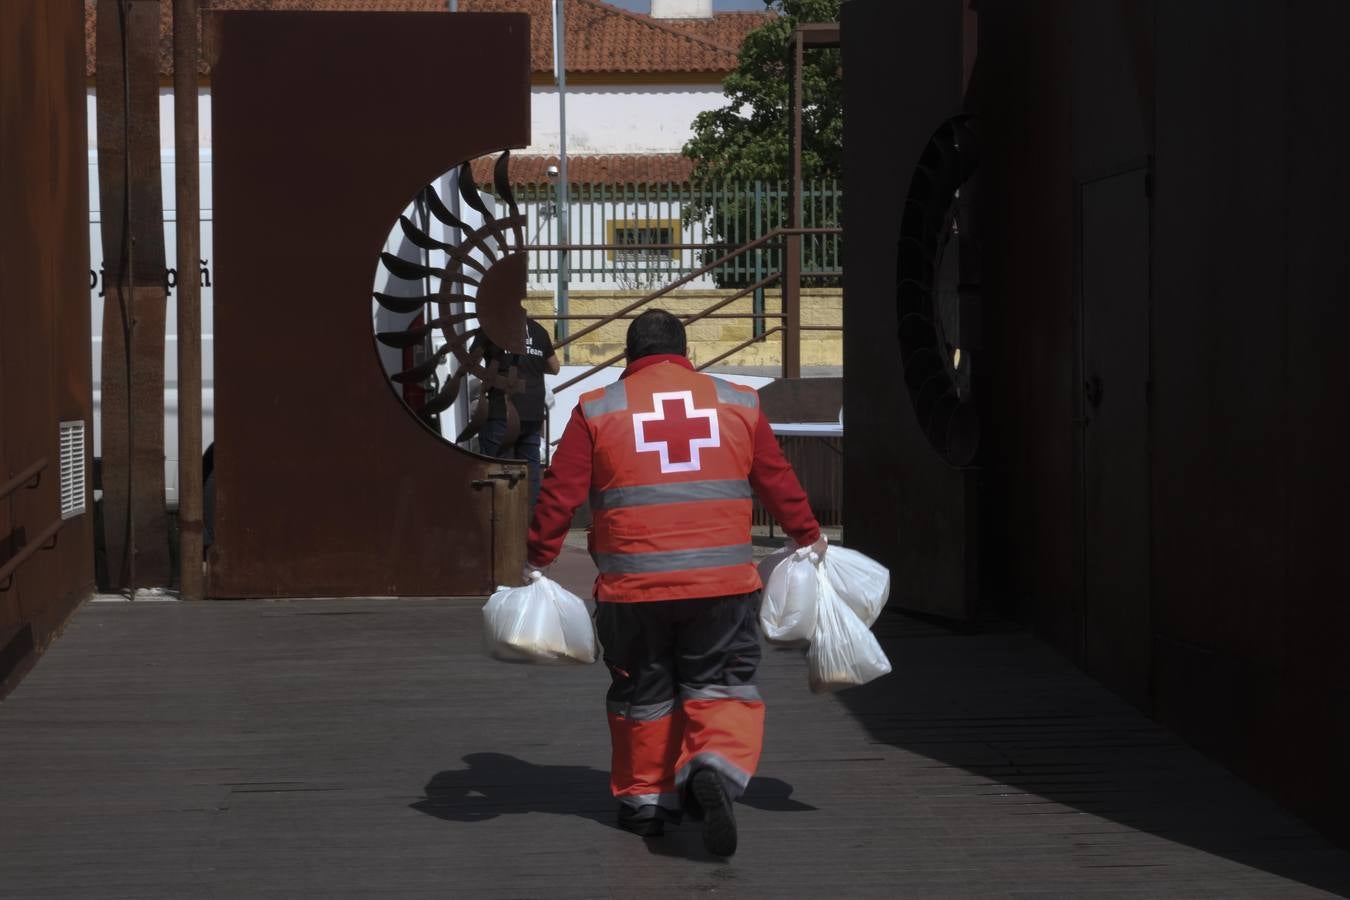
(654,333)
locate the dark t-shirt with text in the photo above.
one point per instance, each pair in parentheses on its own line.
(530,402)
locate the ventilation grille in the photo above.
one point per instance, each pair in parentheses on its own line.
(72,469)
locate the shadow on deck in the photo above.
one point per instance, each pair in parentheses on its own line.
(367,748)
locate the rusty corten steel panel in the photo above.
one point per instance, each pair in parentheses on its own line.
(44,316)
(910,504)
(326,125)
(131,209)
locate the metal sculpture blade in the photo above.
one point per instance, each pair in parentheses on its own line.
(411,337)
(440,210)
(488,258)
(503,183)
(468,189)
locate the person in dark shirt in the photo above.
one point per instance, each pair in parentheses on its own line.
(537,360)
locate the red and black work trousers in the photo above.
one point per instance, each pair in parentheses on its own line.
(682,696)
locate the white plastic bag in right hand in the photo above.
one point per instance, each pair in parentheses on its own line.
(843,652)
(861,582)
(787,613)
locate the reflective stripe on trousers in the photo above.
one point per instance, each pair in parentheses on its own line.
(734,778)
(703,652)
(644,753)
(724,735)
(654,758)
(643,712)
(669,801)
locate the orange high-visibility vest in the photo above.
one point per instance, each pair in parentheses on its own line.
(670,489)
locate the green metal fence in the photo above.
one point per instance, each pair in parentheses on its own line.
(700,217)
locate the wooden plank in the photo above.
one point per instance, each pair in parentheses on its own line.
(368,748)
(135,309)
(187,175)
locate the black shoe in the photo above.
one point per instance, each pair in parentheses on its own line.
(647,821)
(719,820)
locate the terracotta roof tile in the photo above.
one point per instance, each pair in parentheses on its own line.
(651,168)
(601,38)
(605,38)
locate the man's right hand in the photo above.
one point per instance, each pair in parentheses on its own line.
(818,548)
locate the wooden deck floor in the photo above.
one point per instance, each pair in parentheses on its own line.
(368,749)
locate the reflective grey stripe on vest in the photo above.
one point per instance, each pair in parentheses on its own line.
(673,560)
(683,492)
(646,712)
(721,692)
(615,399)
(728,394)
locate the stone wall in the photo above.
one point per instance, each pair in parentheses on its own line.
(709,338)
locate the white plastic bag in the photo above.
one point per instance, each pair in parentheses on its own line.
(539,623)
(787,613)
(843,652)
(860,582)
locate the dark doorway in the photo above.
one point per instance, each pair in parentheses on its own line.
(1114,246)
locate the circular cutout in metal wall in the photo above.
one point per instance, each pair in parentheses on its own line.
(450,285)
(938,292)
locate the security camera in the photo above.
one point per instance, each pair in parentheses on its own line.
(551,172)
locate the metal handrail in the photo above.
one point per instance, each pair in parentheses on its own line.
(741,346)
(33,473)
(45,541)
(698,273)
(593,316)
(666,246)
(688,320)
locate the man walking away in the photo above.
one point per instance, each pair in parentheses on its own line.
(669,459)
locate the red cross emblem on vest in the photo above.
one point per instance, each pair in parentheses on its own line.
(676,431)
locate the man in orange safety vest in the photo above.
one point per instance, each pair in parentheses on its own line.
(669,459)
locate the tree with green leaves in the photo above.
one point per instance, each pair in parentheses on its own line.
(747,140)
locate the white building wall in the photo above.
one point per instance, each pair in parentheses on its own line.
(620,119)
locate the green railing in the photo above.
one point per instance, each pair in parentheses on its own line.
(645,214)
